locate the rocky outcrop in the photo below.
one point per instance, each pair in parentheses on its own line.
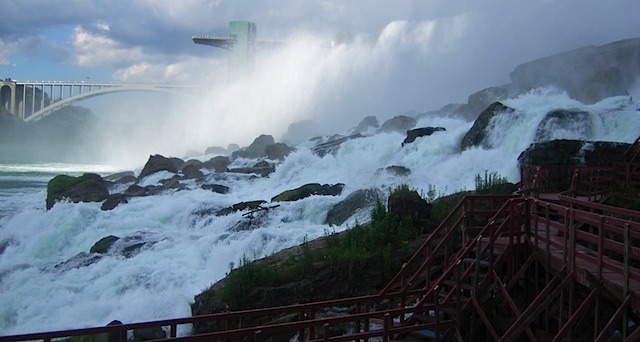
(401,123)
(577,122)
(277,151)
(192,171)
(309,190)
(367,125)
(251,205)
(409,204)
(103,245)
(113,201)
(415,133)
(332,145)
(89,187)
(573,152)
(478,132)
(215,150)
(356,201)
(217,188)
(157,163)
(256,149)
(588,74)
(261,168)
(219,164)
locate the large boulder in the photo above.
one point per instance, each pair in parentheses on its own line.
(113,201)
(301,131)
(367,125)
(219,164)
(401,123)
(309,190)
(261,168)
(157,163)
(250,205)
(332,145)
(408,203)
(192,171)
(103,245)
(588,74)
(480,100)
(415,133)
(573,152)
(355,202)
(215,150)
(478,133)
(256,149)
(560,122)
(277,151)
(89,187)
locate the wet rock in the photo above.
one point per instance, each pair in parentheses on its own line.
(309,190)
(401,123)
(300,131)
(368,124)
(262,168)
(577,122)
(89,187)
(135,190)
(103,245)
(573,152)
(191,162)
(113,201)
(345,209)
(415,133)
(398,170)
(278,151)
(157,163)
(82,259)
(256,149)
(251,205)
(121,177)
(332,145)
(219,164)
(217,188)
(477,135)
(192,172)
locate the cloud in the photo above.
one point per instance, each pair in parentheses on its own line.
(95,50)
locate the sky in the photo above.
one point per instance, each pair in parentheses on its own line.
(403,55)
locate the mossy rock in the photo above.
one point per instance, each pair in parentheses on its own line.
(89,187)
(309,190)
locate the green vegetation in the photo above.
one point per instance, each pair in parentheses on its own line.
(365,256)
(491,183)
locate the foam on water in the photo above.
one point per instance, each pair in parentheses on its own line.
(188,247)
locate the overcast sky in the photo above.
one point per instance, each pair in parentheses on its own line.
(406,55)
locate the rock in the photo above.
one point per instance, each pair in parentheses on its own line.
(172,183)
(135,190)
(408,203)
(356,201)
(113,201)
(118,177)
(300,131)
(158,163)
(480,100)
(133,249)
(262,169)
(309,190)
(256,149)
(192,172)
(251,205)
(89,187)
(4,244)
(415,133)
(219,164)
(216,150)
(81,259)
(588,74)
(478,132)
(401,123)
(573,152)
(561,121)
(278,151)
(398,170)
(367,125)
(233,147)
(217,188)
(103,245)
(191,162)
(332,145)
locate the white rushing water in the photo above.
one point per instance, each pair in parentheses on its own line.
(190,248)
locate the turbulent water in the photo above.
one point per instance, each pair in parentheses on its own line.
(189,248)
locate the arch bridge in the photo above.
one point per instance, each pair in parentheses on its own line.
(33,100)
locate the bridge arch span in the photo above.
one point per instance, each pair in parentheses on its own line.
(102,91)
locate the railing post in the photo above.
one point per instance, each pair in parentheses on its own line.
(257,335)
(626,277)
(387,326)
(173,330)
(600,246)
(325,332)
